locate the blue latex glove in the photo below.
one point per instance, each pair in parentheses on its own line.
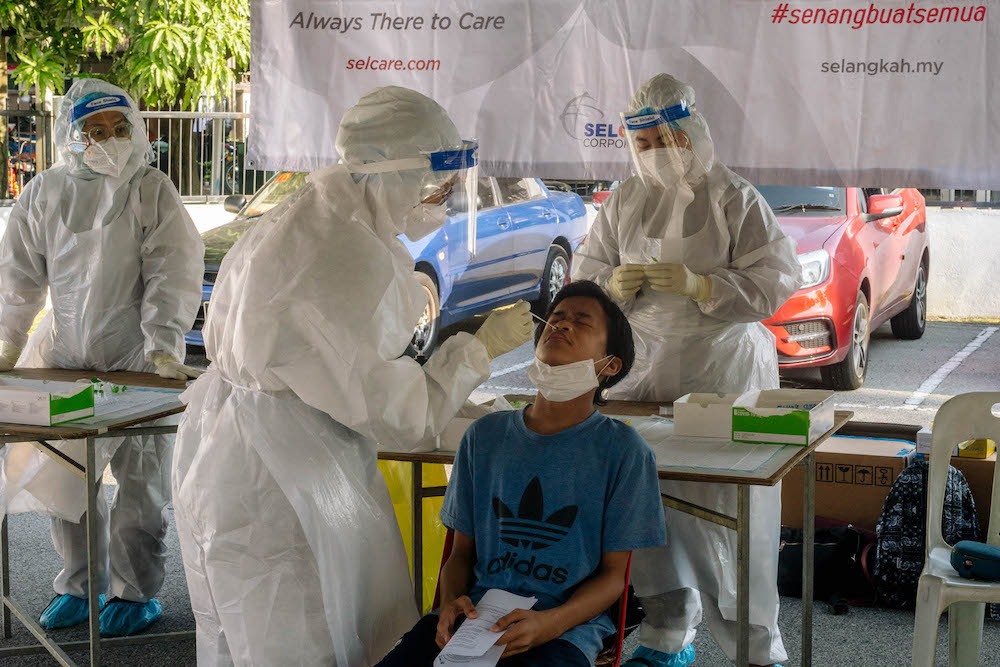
(647,657)
(66,611)
(122,618)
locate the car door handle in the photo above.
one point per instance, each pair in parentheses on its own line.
(503,224)
(547,214)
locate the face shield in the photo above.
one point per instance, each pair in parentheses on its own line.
(661,145)
(101,133)
(440,180)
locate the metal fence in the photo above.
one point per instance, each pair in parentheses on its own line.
(203,153)
(29,148)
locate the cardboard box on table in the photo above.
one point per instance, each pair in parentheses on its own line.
(782,416)
(44,402)
(704,415)
(778,416)
(853,478)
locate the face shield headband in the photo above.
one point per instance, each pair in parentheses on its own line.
(446,170)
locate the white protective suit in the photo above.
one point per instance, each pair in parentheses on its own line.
(290,542)
(124,265)
(715,223)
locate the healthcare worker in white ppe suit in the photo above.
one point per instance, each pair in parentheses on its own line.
(290,542)
(696,259)
(108,237)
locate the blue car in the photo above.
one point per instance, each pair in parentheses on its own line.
(526,235)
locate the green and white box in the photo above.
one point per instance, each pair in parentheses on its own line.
(782,416)
(43,403)
(704,415)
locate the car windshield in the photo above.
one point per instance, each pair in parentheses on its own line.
(274,192)
(220,240)
(803,201)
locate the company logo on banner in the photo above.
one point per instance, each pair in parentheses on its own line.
(584,121)
(809,92)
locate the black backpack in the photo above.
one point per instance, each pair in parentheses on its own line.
(842,555)
(900,533)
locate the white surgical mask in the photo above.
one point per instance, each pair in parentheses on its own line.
(424,219)
(564,383)
(667,166)
(109,156)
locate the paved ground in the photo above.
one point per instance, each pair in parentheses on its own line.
(909,380)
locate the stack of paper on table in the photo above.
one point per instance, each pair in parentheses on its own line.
(700,453)
(124,404)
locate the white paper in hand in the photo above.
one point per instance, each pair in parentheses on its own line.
(473,644)
(488,659)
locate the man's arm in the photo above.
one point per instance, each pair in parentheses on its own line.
(527,629)
(456,575)
(455,581)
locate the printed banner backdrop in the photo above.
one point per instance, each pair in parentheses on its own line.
(821,92)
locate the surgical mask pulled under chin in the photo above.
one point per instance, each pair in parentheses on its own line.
(424,219)
(666,166)
(564,383)
(109,156)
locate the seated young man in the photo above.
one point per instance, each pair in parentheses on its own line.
(548,501)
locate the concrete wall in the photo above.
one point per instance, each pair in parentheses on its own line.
(964,282)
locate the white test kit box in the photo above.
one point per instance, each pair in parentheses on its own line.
(44,403)
(782,416)
(704,415)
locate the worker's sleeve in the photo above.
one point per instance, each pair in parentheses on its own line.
(396,402)
(598,255)
(421,400)
(764,270)
(347,309)
(173,267)
(23,276)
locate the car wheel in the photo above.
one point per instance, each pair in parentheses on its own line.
(850,373)
(555,275)
(910,324)
(425,334)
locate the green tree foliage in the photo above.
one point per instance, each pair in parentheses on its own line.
(163,51)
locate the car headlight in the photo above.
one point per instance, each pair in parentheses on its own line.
(815,268)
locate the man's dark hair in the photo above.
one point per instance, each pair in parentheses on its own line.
(620,343)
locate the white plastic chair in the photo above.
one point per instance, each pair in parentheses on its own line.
(964,417)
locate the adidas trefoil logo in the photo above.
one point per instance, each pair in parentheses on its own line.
(528,529)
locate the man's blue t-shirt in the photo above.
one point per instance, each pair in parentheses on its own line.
(542,509)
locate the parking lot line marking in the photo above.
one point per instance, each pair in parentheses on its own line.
(513,369)
(931,383)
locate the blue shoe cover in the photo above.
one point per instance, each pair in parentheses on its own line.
(650,657)
(65,611)
(122,618)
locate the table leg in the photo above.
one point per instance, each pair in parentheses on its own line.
(743,574)
(93,488)
(5,577)
(808,556)
(418,536)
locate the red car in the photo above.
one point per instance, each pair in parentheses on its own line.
(865,260)
(599,196)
